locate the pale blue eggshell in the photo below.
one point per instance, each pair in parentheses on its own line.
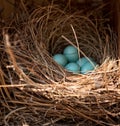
(72,57)
(71,53)
(60,59)
(83,60)
(87,67)
(73,67)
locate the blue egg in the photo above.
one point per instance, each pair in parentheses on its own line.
(87,67)
(60,59)
(83,60)
(73,67)
(71,53)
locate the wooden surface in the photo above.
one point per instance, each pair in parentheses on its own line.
(115,7)
(6,7)
(118,15)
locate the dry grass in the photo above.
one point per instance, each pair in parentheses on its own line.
(37,91)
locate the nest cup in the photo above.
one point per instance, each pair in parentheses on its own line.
(49,30)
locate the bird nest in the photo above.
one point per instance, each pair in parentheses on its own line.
(35,90)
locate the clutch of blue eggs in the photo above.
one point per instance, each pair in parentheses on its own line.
(70,60)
